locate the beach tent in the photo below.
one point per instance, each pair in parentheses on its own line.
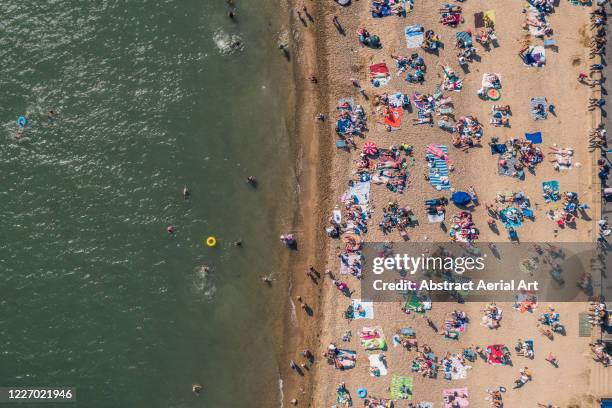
(461,198)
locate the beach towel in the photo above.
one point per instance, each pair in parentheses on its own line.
(379,74)
(398,100)
(438,170)
(509,216)
(337,215)
(489,18)
(495,354)
(346,358)
(488,80)
(465,38)
(366,313)
(414,36)
(457,370)
(401,388)
(353,257)
(526,302)
(552,195)
(394,117)
(498,148)
(435,218)
(509,170)
(372,338)
(584,325)
(579,3)
(455,394)
(414,303)
(535,56)
(535,102)
(479,20)
(376,362)
(359,192)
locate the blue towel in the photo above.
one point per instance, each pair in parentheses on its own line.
(498,148)
(534,137)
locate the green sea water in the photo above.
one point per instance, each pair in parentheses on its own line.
(149,97)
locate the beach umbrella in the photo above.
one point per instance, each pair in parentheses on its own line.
(461,198)
(493,94)
(370,148)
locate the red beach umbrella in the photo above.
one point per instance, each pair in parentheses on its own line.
(370,148)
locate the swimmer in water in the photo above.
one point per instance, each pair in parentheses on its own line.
(238,243)
(186,193)
(267,279)
(236,44)
(252,181)
(204,269)
(232,13)
(170,230)
(196,389)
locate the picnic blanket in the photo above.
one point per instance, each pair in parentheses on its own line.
(465,38)
(535,102)
(460,395)
(373,338)
(345,267)
(535,56)
(377,362)
(456,369)
(414,36)
(438,170)
(359,192)
(366,313)
(401,388)
(509,170)
(563,158)
(379,74)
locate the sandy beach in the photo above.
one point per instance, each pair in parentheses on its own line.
(577,381)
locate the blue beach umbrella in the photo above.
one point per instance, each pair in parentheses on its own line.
(461,198)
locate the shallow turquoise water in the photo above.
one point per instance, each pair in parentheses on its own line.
(96,295)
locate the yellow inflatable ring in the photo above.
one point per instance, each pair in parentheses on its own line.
(211,241)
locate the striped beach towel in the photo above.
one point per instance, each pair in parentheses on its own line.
(438,172)
(414,36)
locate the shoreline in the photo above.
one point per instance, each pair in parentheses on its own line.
(313,187)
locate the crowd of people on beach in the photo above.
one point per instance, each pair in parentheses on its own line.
(389,167)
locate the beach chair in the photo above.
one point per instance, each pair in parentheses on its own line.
(512,234)
(550,43)
(413,220)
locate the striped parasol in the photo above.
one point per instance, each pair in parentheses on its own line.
(370,148)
